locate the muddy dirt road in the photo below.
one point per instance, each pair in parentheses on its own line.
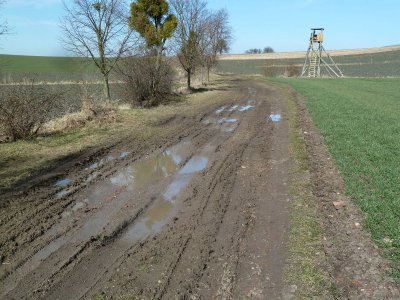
(200,214)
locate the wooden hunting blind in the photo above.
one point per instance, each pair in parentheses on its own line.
(317,56)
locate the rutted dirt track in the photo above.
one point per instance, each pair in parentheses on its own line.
(200,214)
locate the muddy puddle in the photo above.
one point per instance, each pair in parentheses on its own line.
(227,120)
(162,178)
(144,172)
(63,182)
(110,197)
(164,208)
(275,117)
(220,110)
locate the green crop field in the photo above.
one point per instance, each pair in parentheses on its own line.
(13,67)
(384,64)
(360,121)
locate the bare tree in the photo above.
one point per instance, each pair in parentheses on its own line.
(191,15)
(97,29)
(215,39)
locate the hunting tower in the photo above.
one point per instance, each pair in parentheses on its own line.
(315,57)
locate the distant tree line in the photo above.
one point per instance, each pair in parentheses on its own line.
(259,51)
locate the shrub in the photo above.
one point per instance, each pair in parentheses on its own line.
(270,70)
(25,107)
(292,71)
(146,80)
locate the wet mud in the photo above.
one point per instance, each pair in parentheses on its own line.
(186,215)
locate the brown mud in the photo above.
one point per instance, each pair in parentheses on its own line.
(201,213)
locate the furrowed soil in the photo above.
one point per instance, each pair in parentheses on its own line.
(199,213)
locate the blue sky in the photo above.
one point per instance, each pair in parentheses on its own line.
(282,24)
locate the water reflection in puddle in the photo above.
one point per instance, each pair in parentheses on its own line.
(161,212)
(96,164)
(246,107)
(229,128)
(275,117)
(64,193)
(195,164)
(124,154)
(139,175)
(233,107)
(143,172)
(227,120)
(63,182)
(220,110)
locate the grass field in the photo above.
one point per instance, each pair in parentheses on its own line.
(384,64)
(360,121)
(13,67)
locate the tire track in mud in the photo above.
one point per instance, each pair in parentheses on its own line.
(123,251)
(217,204)
(204,139)
(54,209)
(201,242)
(197,232)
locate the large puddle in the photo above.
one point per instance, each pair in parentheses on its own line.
(146,171)
(109,197)
(164,208)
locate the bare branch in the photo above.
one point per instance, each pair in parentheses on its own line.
(97,29)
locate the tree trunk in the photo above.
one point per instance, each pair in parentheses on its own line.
(208,74)
(189,73)
(106,88)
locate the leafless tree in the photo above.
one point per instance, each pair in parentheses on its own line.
(191,15)
(97,29)
(215,39)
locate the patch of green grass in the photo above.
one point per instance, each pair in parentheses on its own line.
(52,69)
(360,122)
(43,64)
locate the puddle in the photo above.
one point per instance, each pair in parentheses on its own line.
(63,182)
(176,187)
(92,176)
(220,110)
(195,164)
(162,211)
(78,206)
(229,128)
(246,107)
(275,117)
(233,107)
(146,171)
(107,199)
(227,120)
(96,164)
(124,154)
(64,193)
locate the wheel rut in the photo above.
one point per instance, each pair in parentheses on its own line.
(170,220)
